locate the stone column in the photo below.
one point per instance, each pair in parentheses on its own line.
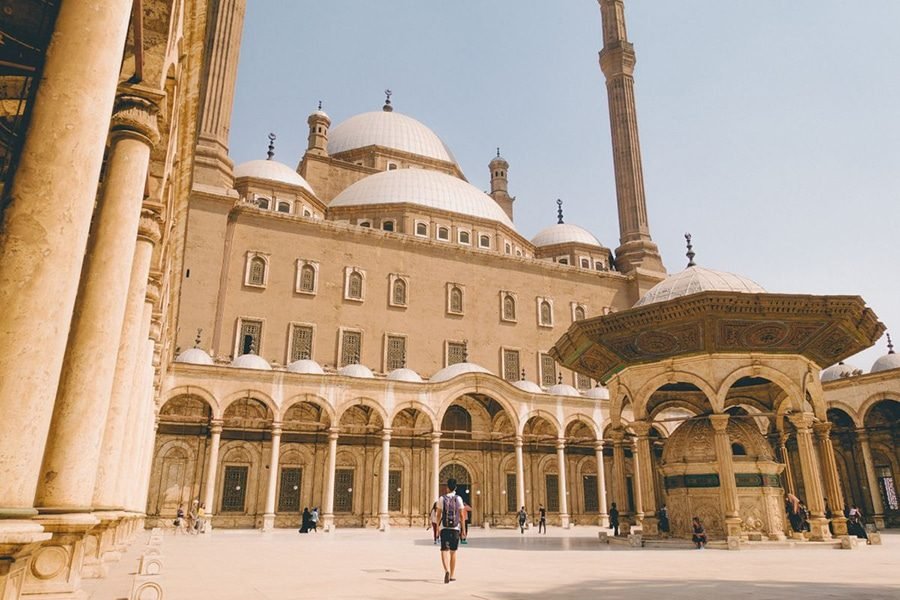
(45,230)
(384,517)
(601,487)
(108,493)
(435,465)
(520,475)
(563,486)
(620,490)
(328,515)
(811,478)
(215,430)
(638,488)
(862,437)
(830,478)
(786,460)
(644,473)
(272,484)
(726,478)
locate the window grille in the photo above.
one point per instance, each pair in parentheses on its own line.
(289,496)
(354,286)
(548,370)
(546,313)
(307,278)
(257,275)
(456,300)
(456,353)
(396,352)
(443,233)
(250,335)
(582,382)
(552,492)
(394,491)
(509,308)
(484,241)
(343,490)
(301,342)
(579,313)
(351,344)
(399,296)
(234,489)
(511,371)
(511,493)
(591,502)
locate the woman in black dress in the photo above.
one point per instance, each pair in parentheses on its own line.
(304,521)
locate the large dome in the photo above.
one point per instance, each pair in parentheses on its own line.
(563,233)
(430,189)
(389,130)
(271,170)
(698,279)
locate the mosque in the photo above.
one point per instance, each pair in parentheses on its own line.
(351,328)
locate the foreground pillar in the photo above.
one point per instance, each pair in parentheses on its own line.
(215,429)
(435,465)
(328,515)
(811,477)
(272,486)
(786,459)
(862,437)
(563,486)
(638,488)
(831,479)
(384,516)
(644,473)
(601,487)
(520,475)
(620,493)
(726,478)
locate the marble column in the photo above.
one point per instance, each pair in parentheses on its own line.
(384,517)
(328,514)
(272,484)
(830,478)
(638,487)
(726,478)
(435,465)
(862,436)
(644,473)
(44,234)
(563,485)
(209,498)
(811,477)
(601,487)
(109,492)
(619,490)
(520,474)
(786,460)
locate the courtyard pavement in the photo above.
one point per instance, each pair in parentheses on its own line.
(496,565)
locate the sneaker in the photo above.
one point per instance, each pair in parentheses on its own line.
(463,541)
(446,576)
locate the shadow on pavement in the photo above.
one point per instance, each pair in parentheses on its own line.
(532,543)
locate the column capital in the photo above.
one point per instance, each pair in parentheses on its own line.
(823,429)
(519,441)
(719,422)
(560,443)
(801,420)
(276,428)
(617,435)
(599,445)
(154,287)
(861,434)
(150,225)
(216,425)
(386,434)
(641,428)
(435,437)
(783,437)
(333,433)
(136,112)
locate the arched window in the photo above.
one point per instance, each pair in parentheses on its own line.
(392,166)
(262,202)
(563,261)
(256,274)
(484,241)
(355,286)
(585,263)
(546,313)
(387,225)
(464,237)
(399,292)
(307,212)
(422,229)
(307,279)
(284,207)
(509,308)
(738,450)
(579,313)
(457,419)
(365,224)
(443,233)
(456,300)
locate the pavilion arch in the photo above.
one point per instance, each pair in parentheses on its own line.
(362,401)
(248,395)
(649,388)
(765,423)
(673,404)
(852,414)
(479,417)
(541,414)
(199,392)
(693,401)
(420,408)
(872,401)
(319,401)
(773,376)
(503,424)
(579,420)
(484,389)
(186,408)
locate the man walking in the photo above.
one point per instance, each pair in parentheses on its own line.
(614,518)
(450,510)
(523,517)
(542,523)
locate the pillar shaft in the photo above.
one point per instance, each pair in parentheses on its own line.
(830,478)
(45,231)
(272,484)
(435,465)
(811,477)
(563,485)
(788,469)
(520,474)
(213,466)
(328,515)
(726,464)
(645,468)
(874,492)
(601,487)
(383,514)
(620,493)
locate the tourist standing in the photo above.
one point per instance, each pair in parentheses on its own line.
(542,522)
(523,516)
(664,519)
(193,521)
(450,510)
(179,519)
(314,519)
(201,515)
(434,522)
(614,519)
(304,520)
(699,533)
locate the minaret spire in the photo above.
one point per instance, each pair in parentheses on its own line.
(617,60)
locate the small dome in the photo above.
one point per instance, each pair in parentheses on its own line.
(422,187)
(356,370)
(194,356)
(305,366)
(563,233)
(455,370)
(251,361)
(389,130)
(404,375)
(528,386)
(841,370)
(563,389)
(320,114)
(271,170)
(693,441)
(886,363)
(597,393)
(698,279)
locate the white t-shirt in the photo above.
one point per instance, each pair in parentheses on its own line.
(459,503)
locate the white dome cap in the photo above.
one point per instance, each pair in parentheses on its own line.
(194,356)
(528,386)
(422,187)
(271,170)
(597,393)
(389,130)
(251,361)
(886,363)
(356,370)
(306,366)
(698,279)
(455,370)
(839,371)
(563,233)
(404,375)
(563,389)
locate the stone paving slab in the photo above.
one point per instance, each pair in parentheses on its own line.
(505,565)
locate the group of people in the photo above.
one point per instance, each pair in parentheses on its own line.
(542,519)
(193,522)
(797,513)
(798,517)
(309,521)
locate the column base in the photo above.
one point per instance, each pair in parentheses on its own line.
(818,529)
(650,527)
(268,522)
(603,520)
(99,546)
(384,523)
(642,254)
(55,570)
(838,526)
(879,521)
(733,527)
(564,521)
(327,523)
(19,539)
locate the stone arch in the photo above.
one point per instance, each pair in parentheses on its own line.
(247,413)
(423,410)
(375,407)
(257,395)
(319,401)
(841,416)
(866,408)
(478,385)
(774,376)
(585,420)
(541,414)
(186,408)
(642,397)
(199,392)
(581,428)
(172,488)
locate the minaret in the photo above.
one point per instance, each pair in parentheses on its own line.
(500,184)
(318,122)
(636,248)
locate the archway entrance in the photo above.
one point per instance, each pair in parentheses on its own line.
(463,484)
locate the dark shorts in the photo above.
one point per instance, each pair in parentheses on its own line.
(449,540)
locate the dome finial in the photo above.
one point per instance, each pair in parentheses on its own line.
(559,213)
(387,101)
(320,105)
(890,344)
(690,251)
(523,375)
(271,153)
(199,331)
(498,151)
(465,356)
(559,381)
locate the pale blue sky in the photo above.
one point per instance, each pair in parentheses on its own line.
(769,129)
